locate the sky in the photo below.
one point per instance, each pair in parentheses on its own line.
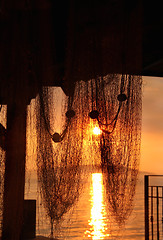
(152,126)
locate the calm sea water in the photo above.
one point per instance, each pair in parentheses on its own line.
(90,217)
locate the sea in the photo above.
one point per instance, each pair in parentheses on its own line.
(90,217)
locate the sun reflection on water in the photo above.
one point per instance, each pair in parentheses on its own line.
(97,221)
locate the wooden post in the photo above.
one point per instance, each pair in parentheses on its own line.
(146,181)
(29,222)
(14,172)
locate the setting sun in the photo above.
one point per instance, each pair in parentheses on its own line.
(97,130)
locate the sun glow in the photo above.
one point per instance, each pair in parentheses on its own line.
(97,131)
(97,223)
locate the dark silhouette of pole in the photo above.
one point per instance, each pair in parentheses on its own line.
(158,230)
(152,217)
(14,172)
(146,181)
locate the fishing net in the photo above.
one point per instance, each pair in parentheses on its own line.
(113,105)
(120,144)
(59,152)
(76,53)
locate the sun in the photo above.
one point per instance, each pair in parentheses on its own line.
(97,131)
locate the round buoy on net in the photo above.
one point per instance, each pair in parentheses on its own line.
(122,97)
(70,113)
(56,137)
(94,114)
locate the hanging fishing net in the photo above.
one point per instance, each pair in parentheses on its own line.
(90,40)
(112,104)
(59,152)
(120,121)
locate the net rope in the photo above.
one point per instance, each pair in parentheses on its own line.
(59,155)
(111,103)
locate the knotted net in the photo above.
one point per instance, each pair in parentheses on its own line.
(111,103)
(59,148)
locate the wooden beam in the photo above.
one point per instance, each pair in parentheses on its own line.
(14,172)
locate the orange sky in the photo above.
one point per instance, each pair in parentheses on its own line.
(152,126)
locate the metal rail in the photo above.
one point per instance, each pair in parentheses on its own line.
(153,207)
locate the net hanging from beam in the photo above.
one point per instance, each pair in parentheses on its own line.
(59,154)
(111,103)
(87,46)
(120,150)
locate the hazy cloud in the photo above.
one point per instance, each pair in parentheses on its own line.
(152,125)
(152,104)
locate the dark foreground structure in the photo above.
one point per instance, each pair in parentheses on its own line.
(153,196)
(55,43)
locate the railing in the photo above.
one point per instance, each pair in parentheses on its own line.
(153,207)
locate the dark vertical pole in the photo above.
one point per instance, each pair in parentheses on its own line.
(14,172)
(158,235)
(152,211)
(146,181)
(162,211)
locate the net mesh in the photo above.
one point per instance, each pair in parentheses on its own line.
(120,150)
(113,105)
(59,153)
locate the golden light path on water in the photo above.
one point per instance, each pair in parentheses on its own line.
(97,222)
